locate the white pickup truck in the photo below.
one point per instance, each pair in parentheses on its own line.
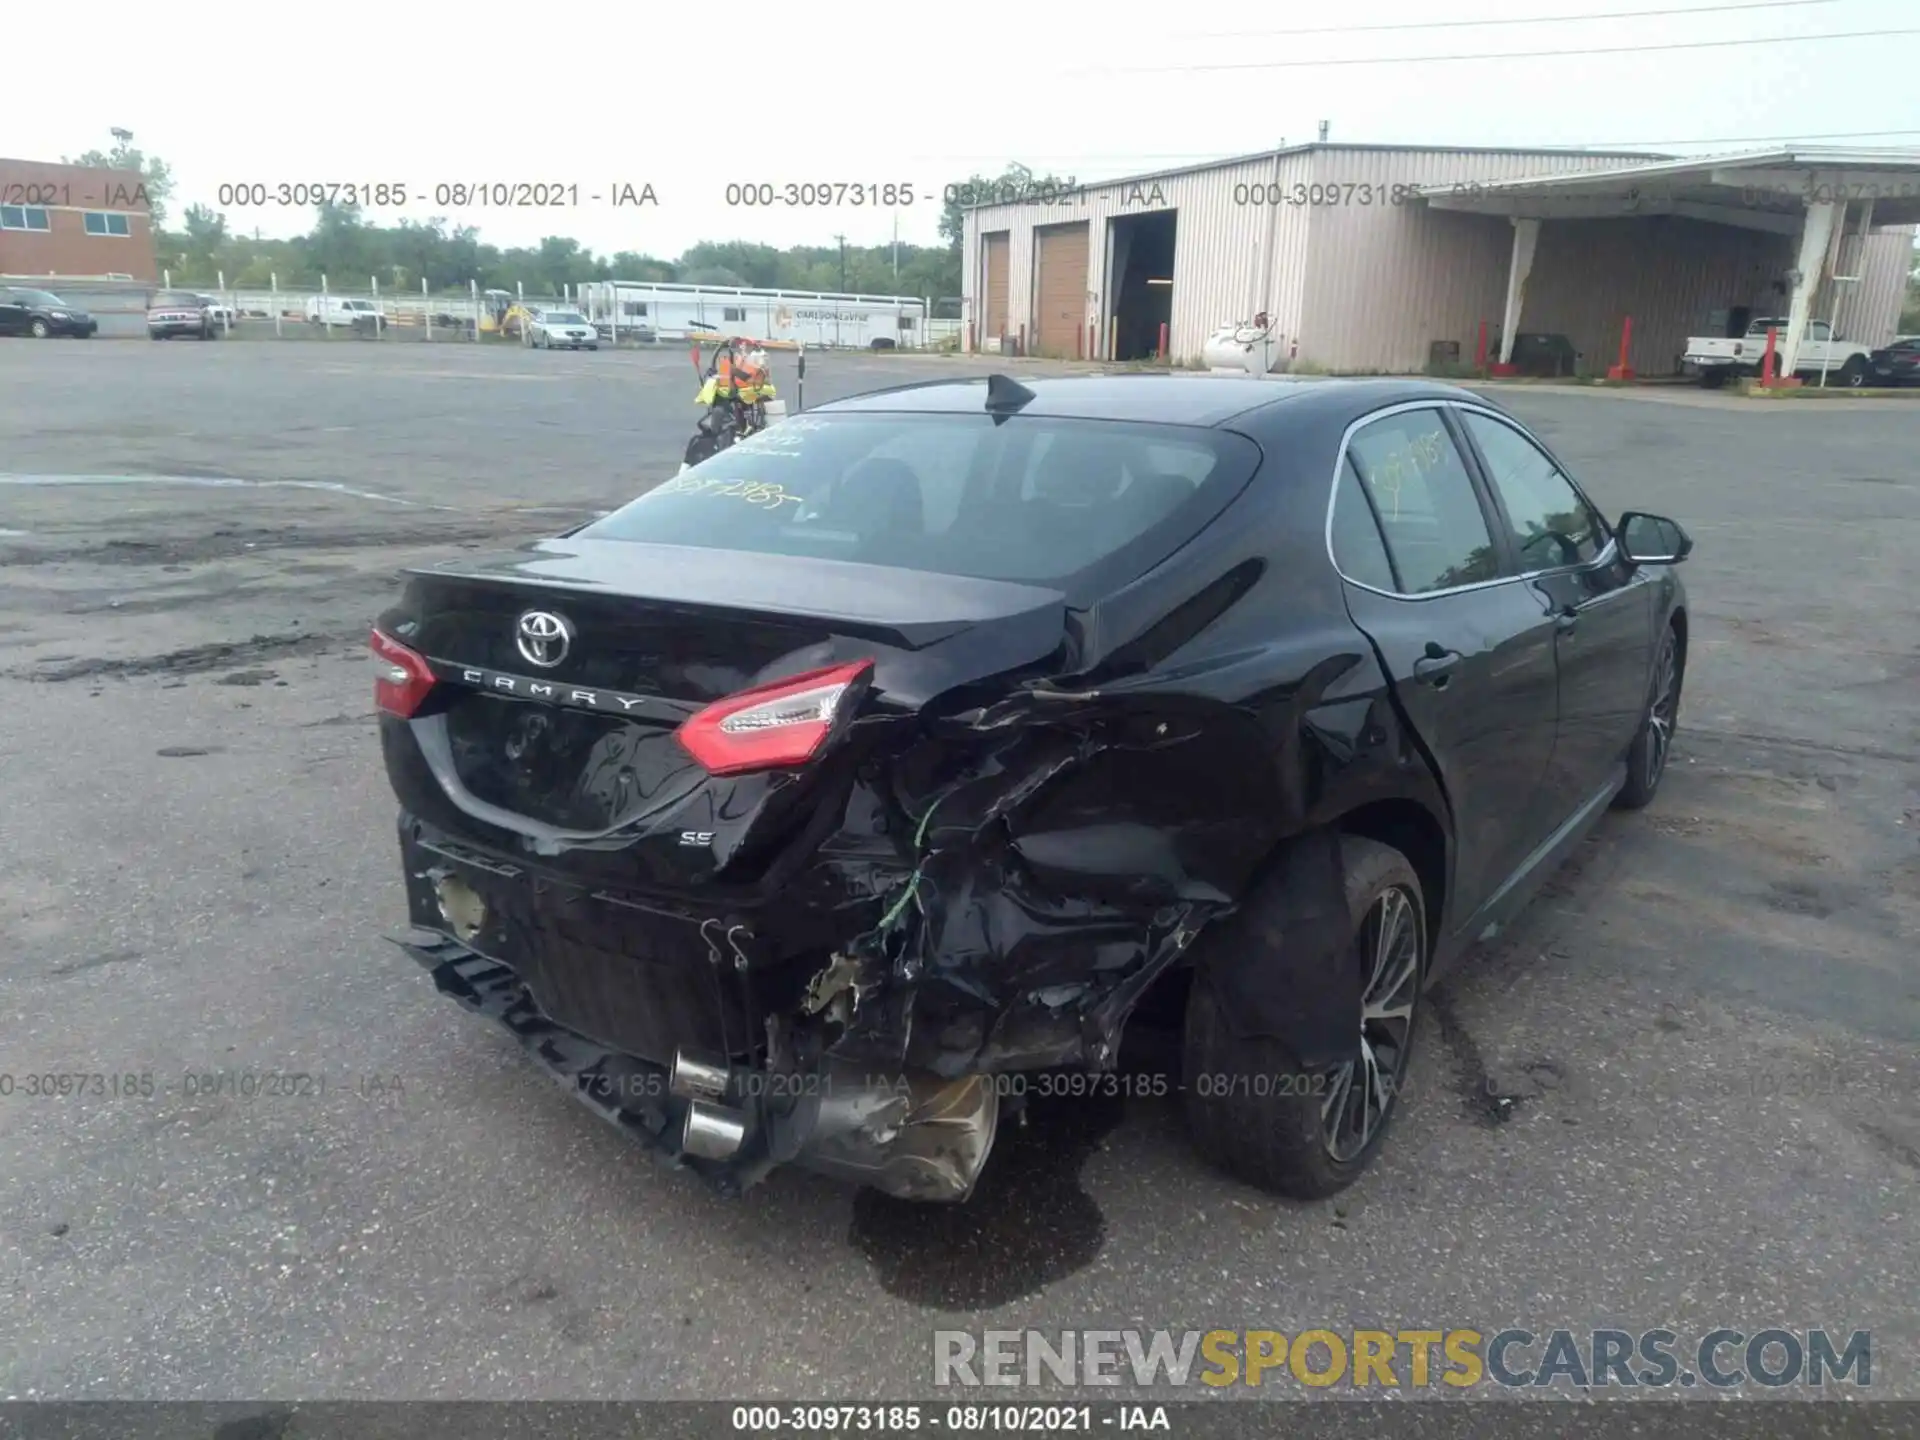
(1714,358)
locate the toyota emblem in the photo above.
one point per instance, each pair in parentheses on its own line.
(544,638)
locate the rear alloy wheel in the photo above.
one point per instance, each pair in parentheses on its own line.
(1254,1113)
(1647,757)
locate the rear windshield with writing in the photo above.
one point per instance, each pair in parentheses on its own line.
(1031,500)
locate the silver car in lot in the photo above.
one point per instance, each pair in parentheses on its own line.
(563,329)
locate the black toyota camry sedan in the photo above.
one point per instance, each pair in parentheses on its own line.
(833,799)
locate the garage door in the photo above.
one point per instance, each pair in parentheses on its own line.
(993,319)
(1060,305)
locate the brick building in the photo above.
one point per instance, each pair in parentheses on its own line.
(74,220)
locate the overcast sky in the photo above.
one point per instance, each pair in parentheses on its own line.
(853,91)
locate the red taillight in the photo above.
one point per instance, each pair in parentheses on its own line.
(784,723)
(404,676)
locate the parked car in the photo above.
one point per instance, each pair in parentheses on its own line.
(562,329)
(219,311)
(1897,364)
(42,314)
(345,310)
(1714,359)
(794,811)
(180,312)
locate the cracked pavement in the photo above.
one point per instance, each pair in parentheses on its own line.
(1684,1091)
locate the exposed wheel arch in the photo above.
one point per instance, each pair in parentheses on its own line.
(1413,830)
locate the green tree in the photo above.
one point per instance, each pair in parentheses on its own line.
(205,236)
(1014,181)
(125,155)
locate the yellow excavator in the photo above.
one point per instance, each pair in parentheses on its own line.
(501,314)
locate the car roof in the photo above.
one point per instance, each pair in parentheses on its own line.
(1205,400)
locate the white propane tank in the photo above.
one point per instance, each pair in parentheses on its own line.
(1243,349)
(776,412)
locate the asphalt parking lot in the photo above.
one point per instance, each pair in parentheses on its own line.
(1684,1092)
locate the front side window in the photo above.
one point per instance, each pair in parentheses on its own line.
(1035,500)
(1551,525)
(1429,512)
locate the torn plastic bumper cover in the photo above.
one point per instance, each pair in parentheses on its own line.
(989,906)
(913,1136)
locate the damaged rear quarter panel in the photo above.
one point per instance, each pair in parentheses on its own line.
(1071,841)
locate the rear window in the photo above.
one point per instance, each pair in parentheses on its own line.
(172,298)
(1033,500)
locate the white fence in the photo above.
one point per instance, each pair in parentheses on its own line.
(330,311)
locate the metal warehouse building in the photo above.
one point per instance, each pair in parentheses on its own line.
(1388,258)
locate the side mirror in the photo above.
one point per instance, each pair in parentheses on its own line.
(1653,539)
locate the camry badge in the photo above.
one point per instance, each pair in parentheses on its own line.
(543,638)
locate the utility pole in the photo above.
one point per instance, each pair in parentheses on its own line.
(1325,125)
(843,262)
(896,249)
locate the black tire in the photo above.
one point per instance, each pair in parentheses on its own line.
(40,330)
(1713,379)
(1653,745)
(1275,1137)
(1853,374)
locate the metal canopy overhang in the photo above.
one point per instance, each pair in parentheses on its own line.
(1764,190)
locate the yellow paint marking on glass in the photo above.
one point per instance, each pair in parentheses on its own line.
(767,494)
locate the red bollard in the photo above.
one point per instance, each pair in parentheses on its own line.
(1623,371)
(973,338)
(1163,340)
(1480,350)
(1768,362)
(1023,339)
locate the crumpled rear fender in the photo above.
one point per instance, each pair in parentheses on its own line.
(1064,852)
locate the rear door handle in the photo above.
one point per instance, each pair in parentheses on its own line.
(1436,667)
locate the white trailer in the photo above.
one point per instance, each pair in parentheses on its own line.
(642,310)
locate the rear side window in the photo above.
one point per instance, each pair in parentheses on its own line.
(1428,508)
(1031,499)
(1358,550)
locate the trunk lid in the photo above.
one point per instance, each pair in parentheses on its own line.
(565,669)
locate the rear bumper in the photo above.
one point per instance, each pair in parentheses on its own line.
(916,1137)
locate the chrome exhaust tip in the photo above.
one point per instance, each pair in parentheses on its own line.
(698,1077)
(712,1132)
